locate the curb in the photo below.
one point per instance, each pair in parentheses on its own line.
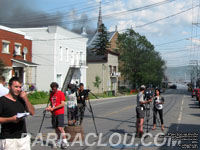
(38,106)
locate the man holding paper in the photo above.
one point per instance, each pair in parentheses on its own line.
(12,117)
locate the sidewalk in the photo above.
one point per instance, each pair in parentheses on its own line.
(38,106)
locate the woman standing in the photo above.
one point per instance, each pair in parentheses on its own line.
(158,108)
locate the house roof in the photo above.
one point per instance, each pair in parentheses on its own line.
(96,58)
(11,30)
(91,57)
(92,39)
(25,63)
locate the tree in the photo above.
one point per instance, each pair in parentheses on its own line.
(101,44)
(2,67)
(139,62)
(97,82)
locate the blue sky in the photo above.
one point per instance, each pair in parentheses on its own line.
(178,27)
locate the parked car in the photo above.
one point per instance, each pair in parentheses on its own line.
(194,92)
(173,86)
(198,95)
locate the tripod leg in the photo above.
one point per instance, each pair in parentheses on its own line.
(93,117)
(42,121)
(44,114)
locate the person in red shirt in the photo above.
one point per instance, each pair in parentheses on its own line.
(57,100)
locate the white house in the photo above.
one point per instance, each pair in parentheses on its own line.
(60,55)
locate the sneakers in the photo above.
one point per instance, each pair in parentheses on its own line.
(57,145)
(65,145)
(60,144)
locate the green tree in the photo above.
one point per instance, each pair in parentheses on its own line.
(97,82)
(101,44)
(139,62)
(2,67)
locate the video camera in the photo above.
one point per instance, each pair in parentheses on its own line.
(148,94)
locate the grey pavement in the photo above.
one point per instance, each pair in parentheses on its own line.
(115,118)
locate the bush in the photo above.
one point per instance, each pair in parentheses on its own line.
(123,89)
(38,97)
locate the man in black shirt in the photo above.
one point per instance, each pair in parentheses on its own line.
(13,127)
(82,96)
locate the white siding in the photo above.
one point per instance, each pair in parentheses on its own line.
(47,43)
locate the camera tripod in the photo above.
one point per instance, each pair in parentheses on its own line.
(148,108)
(91,111)
(44,114)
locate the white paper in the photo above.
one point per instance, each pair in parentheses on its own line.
(20,115)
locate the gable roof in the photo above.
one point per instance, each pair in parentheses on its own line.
(91,41)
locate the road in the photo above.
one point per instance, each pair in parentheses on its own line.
(115,121)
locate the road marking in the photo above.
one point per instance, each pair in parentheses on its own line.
(109,101)
(116,112)
(180,115)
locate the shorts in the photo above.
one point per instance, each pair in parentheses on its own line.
(17,144)
(57,120)
(71,113)
(140,113)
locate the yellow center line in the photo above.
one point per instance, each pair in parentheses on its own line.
(116,112)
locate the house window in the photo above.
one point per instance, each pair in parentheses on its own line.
(110,69)
(17,49)
(114,69)
(81,55)
(59,79)
(67,54)
(5,46)
(61,53)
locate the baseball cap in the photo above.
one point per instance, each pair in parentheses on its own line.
(142,86)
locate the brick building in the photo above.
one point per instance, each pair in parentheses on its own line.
(16,53)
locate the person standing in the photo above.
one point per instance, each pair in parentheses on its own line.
(3,89)
(13,127)
(140,111)
(71,105)
(158,108)
(57,100)
(82,96)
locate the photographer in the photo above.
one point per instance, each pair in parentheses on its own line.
(140,111)
(158,107)
(82,96)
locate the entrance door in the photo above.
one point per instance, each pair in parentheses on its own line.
(18,72)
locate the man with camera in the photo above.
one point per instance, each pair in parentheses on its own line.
(140,110)
(82,96)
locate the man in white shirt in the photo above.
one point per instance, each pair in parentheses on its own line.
(3,89)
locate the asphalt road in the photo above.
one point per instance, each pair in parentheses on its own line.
(115,120)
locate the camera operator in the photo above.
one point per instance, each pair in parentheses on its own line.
(82,96)
(158,107)
(140,111)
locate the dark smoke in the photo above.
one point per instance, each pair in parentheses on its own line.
(20,14)
(82,22)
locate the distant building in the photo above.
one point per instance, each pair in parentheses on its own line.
(61,55)
(16,53)
(103,66)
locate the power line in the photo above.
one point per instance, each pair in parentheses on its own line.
(59,8)
(113,14)
(165,17)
